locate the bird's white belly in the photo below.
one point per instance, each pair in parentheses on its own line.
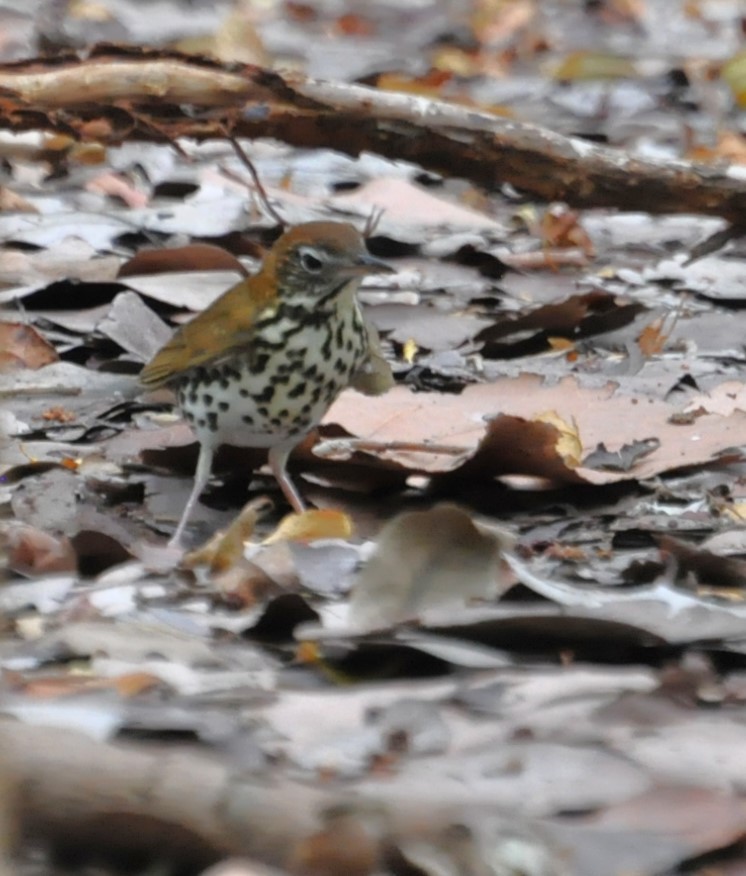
(237,402)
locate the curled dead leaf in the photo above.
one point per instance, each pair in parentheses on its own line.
(225,549)
(426,559)
(568,444)
(311,526)
(33,552)
(22,346)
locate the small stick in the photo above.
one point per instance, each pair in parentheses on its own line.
(325,448)
(247,163)
(372,221)
(54,389)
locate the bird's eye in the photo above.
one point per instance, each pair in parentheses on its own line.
(310,261)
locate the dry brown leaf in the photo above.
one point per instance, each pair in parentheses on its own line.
(21,346)
(345,846)
(58,414)
(560,228)
(730,146)
(351,24)
(429,85)
(497,22)
(12,202)
(116,186)
(33,552)
(652,339)
(724,400)
(133,683)
(398,197)
(244,585)
(195,257)
(513,442)
(53,687)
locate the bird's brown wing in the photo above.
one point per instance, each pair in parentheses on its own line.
(224,327)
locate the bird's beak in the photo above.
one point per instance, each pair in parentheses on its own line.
(367,264)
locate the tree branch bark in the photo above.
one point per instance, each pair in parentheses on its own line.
(118,94)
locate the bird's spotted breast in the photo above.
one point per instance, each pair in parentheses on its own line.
(267,393)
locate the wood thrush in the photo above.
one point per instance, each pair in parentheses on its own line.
(261,365)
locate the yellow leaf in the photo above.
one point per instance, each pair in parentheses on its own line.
(225,549)
(594,65)
(560,343)
(409,351)
(736,511)
(569,446)
(734,75)
(89,10)
(312,525)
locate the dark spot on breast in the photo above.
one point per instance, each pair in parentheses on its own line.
(193,397)
(201,422)
(306,409)
(316,394)
(223,406)
(283,414)
(266,394)
(311,371)
(212,421)
(348,345)
(207,399)
(243,392)
(275,421)
(298,390)
(339,335)
(249,420)
(263,411)
(339,364)
(189,415)
(259,363)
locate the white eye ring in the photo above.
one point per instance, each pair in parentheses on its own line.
(310,260)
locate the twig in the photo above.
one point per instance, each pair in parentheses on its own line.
(363,445)
(261,191)
(371,223)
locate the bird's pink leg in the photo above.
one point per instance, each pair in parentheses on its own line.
(201,477)
(278,458)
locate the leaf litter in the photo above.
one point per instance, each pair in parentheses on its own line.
(522,591)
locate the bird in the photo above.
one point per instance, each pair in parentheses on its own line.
(262,364)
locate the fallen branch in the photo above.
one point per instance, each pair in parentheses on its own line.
(167,802)
(154,803)
(118,94)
